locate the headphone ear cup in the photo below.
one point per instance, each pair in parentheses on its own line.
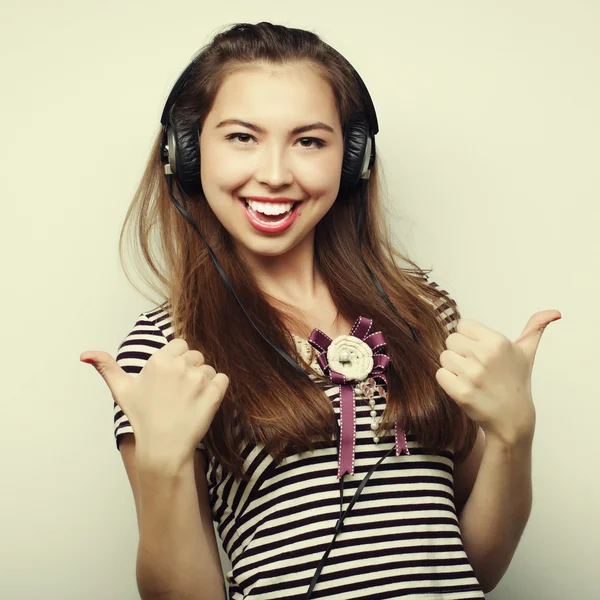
(355,145)
(187,156)
(186,153)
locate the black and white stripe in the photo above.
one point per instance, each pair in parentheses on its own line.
(401,539)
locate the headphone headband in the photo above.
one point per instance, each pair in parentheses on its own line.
(180,149)
(369,107)
(164,119)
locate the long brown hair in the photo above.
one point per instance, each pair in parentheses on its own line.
(267,401)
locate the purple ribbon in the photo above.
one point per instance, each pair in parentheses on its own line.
(376,342)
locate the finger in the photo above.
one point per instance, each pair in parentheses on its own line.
(176,347)
(461,344)
(476,341)
(455,363)
(204,372)
(108,368)
(453,385)
(475,330)
(194,358)
(215,389)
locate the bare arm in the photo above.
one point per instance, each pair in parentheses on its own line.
(497,510)
(177,555)
(465,473)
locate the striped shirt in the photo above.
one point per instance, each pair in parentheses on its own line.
(400,540)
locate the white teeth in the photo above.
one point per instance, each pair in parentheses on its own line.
(270,208)
(257,216)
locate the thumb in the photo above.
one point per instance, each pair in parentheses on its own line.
(529,340)
(114,376)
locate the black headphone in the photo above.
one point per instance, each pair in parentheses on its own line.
(180,147)
(180,154)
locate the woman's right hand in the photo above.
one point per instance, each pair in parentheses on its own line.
(170,403)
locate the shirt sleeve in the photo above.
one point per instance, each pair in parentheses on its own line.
(140,344)
(446,308)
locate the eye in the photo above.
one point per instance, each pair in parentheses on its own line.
(238,136)
(319,143)
(315,143)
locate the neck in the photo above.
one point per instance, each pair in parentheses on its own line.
(293,277)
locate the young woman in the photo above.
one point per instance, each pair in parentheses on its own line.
(227,429)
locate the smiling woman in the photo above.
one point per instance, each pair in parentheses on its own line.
(271,158)
(248,362)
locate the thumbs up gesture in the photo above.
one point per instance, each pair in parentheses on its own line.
(489,376)
(171,402)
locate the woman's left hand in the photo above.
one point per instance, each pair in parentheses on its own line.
(489,376)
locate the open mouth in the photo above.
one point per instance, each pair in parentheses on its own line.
(271,223)
(266,218)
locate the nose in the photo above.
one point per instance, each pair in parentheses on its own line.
(273,169)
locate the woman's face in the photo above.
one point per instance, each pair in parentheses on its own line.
(263,157)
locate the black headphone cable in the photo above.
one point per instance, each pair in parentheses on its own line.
(338,525)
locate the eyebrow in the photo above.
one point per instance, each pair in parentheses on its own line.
(258,129)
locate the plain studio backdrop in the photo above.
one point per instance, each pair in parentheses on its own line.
(489,129)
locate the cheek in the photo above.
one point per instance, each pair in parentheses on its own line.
(222,169)
(219,171)
(320,177)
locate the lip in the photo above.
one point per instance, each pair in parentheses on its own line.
(267,227)
(266,199)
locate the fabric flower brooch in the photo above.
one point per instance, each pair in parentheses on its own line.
(348,358)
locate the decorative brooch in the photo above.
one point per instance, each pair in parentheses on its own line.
(347,358)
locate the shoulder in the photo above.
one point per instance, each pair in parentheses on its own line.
(150,331)
(443,303)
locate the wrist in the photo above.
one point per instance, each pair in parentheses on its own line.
(154,461)
(515,443)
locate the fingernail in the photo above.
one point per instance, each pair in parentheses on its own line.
(89,361)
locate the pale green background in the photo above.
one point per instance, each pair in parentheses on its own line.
(489,141)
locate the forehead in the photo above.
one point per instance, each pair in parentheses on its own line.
(276,94)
